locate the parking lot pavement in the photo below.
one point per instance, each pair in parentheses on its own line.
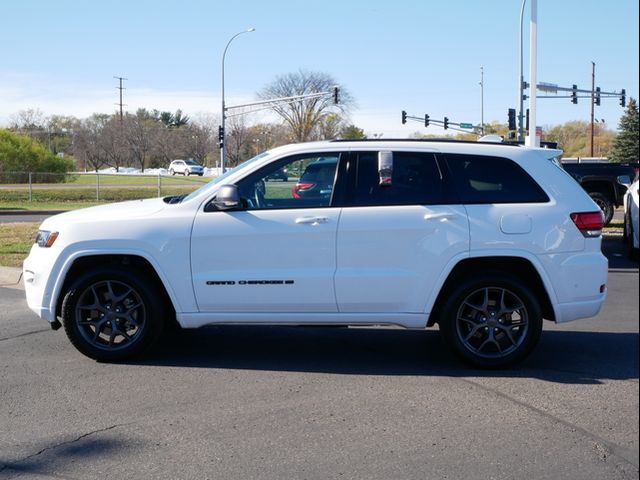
(285,402)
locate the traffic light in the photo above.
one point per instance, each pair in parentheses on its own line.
(404,117)
(527,122)
(426,120)
(446,123)
(597,97)
(336,93)
(512,119)
(220,135)
(623,98)
(574,94)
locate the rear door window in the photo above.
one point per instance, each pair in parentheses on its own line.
(417,179)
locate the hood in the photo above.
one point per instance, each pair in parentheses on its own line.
(112,211)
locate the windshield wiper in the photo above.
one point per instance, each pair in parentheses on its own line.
(174,198)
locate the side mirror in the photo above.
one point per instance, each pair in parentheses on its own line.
(624,180)
(227,198)
(385,168)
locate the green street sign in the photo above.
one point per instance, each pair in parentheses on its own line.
(466,125)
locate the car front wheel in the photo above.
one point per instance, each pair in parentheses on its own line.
(110,314)
(491,320)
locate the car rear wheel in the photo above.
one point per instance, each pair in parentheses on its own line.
(605,204)
(110,314)
(491,320)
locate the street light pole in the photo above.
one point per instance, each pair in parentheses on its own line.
(223,146)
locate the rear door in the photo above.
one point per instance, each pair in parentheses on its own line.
(397,233)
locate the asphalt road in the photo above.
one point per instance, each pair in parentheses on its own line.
(323,403)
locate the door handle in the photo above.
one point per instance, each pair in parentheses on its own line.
(441,216)
(311,220)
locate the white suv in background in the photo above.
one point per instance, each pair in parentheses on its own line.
(486,240)
(185,167)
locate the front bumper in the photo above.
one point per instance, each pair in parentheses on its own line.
(36,274)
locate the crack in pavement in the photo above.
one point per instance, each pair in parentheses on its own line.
(25,334)
(9,465)
(619,451)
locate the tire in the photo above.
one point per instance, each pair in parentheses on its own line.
(171,171)
(187,173)
(605,204)
(632,251)
(484,333)
(112,296)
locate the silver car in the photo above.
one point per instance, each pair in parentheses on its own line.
(186,167)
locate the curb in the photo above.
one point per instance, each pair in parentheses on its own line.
(11,277)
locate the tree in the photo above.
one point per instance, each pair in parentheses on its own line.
(138,136)
(625,146)
(351,132)
(21,153)
(112,143)
(89,147)
(303,117)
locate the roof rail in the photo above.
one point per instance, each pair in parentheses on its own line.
(418,140)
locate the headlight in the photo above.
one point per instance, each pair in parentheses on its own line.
(44,238)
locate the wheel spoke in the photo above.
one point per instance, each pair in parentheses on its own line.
(492,322)
(110,315)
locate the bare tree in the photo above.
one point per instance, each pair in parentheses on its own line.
(30,122)
(88,146)
(113,143)
(303,117)
(138,136)
(238,140)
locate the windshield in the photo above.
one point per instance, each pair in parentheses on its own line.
(221,178)
(191,162)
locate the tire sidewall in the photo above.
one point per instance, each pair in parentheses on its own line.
(460,292)
(600,198)
(154,321)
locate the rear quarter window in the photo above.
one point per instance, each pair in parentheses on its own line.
(487,179)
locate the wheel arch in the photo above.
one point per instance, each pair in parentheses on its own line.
(519,267)
(83,263)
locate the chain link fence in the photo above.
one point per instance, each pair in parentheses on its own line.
(92,187)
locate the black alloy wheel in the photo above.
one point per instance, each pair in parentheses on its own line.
(491,321)
(109,314)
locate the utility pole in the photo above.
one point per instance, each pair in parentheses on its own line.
(531,140)
(593,101)
(120,88)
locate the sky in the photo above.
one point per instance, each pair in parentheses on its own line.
(421,56)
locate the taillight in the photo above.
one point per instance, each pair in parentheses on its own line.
(295,190)
(589,223)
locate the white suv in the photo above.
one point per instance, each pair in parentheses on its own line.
(486,240)
(185,167)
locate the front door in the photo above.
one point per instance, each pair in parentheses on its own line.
(277,254)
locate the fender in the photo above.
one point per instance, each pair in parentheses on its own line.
(546,281)
(55,282)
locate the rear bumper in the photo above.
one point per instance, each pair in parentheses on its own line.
(579,282)
(567,312)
